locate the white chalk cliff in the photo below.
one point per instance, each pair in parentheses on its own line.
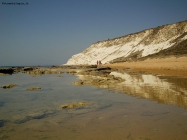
(136,45)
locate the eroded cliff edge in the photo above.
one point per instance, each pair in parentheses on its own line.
(164,40)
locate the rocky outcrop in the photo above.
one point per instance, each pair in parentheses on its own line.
(28,69)
(9,86)
(40,71)
(6,70)
(135,46)
(102,71)
(103,82)
(99,77)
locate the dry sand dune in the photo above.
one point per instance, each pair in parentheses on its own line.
(170,66)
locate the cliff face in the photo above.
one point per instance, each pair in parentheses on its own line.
(134,46)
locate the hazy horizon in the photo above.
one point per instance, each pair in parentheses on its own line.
(49,32)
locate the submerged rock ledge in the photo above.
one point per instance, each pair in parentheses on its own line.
(34,88)
(70,106)
(9,86)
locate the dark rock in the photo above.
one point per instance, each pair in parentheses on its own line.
(78,83)
(28,69)
(17,69)
(54,66)
(103,68)
(103,71)
(9,86)
(2,123)
(91,66)
(7,70)
(71,72)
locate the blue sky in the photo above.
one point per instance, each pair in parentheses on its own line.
(49,32)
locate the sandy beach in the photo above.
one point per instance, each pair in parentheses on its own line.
(170,66)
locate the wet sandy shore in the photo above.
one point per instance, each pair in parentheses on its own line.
(170,66)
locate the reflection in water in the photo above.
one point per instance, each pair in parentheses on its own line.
(37,114)
(163,90)
(170,90)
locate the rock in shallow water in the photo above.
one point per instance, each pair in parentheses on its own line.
(78,83)
(34,115)
(74,105)
(9,86)
(2,122)
(34,88)
(7,70)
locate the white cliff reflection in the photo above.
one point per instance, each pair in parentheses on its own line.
(171,90)
(161,89)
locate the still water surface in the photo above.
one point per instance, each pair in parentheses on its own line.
(143,107)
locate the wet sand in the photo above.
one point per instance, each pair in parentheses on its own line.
(170,66)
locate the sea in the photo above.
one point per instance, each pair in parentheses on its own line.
(143,107)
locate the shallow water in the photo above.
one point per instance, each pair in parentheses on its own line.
(143,107)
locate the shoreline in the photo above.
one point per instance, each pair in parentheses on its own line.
(170,66)
(167,66)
